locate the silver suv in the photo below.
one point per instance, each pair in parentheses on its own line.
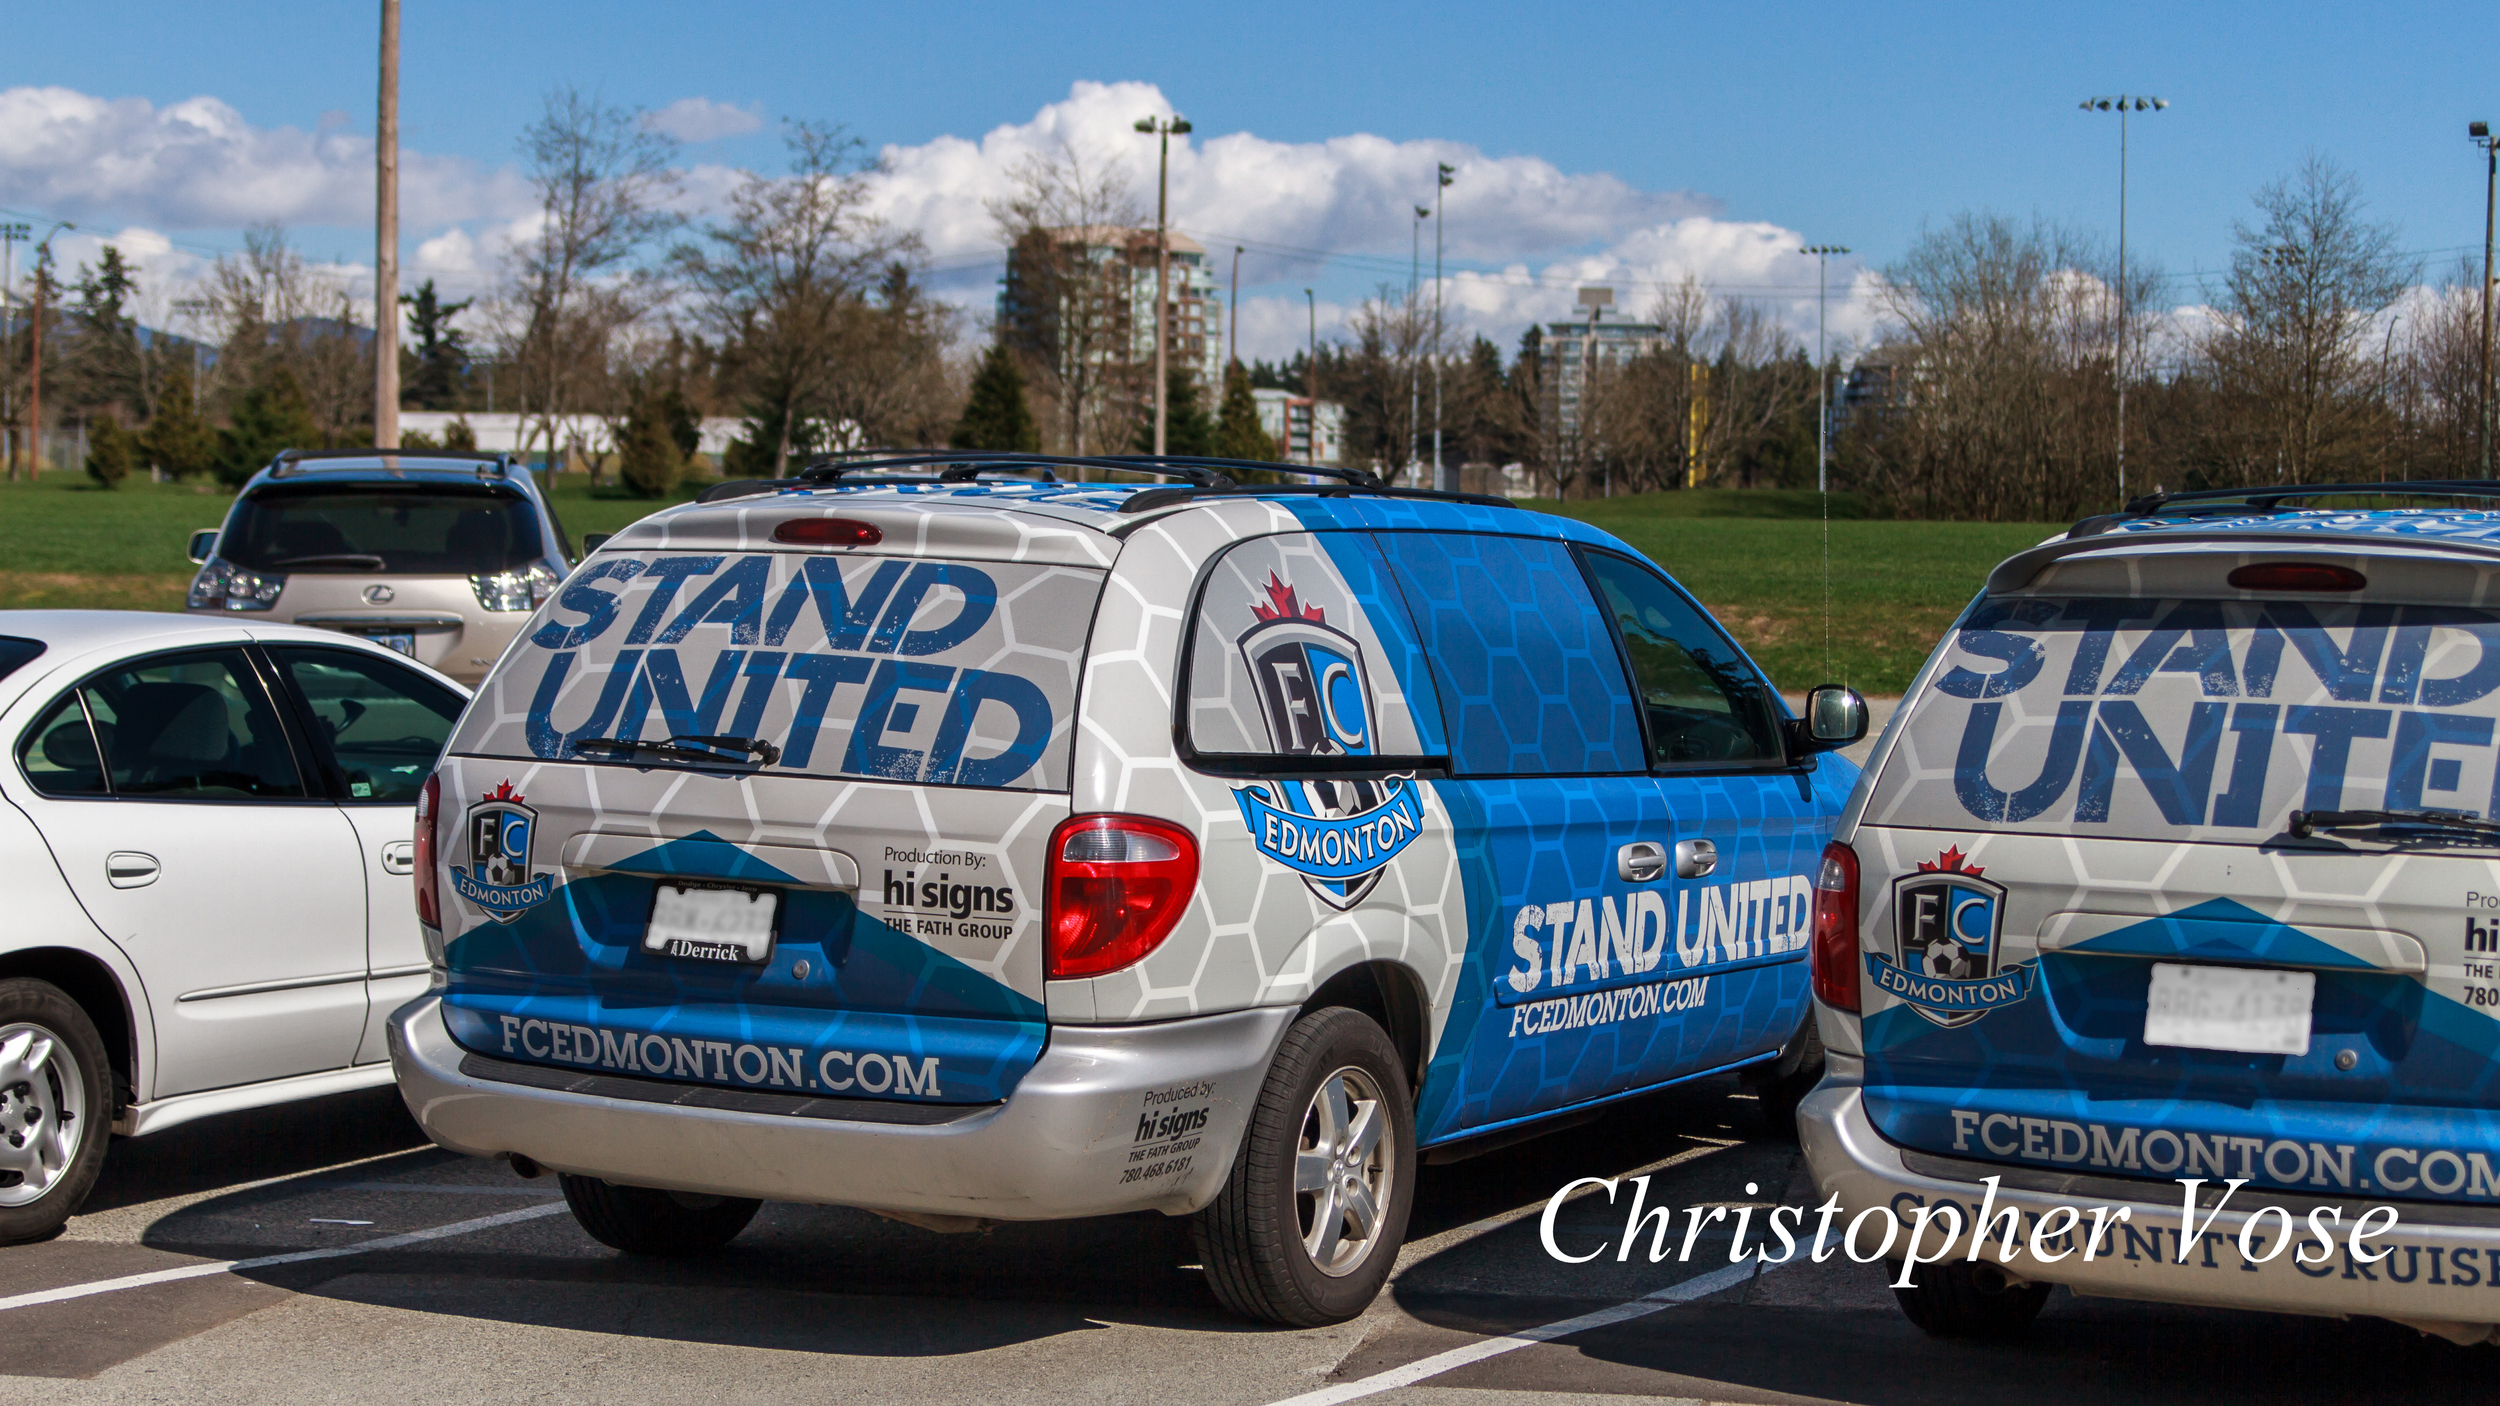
(439,555)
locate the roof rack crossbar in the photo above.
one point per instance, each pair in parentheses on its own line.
(967,464)
(488,461)
(2264,497)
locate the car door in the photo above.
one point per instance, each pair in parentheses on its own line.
(375,729)
(174,800)
(1749,825)
(1562,833)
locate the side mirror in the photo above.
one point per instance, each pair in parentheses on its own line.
(203,545)
(593,541)
(1835,717)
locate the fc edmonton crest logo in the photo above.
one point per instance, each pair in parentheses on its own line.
(1315,693)
(1946,926)
(497,833)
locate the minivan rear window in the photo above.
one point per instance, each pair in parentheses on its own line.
(409,529)
(2211,720)
(950,673)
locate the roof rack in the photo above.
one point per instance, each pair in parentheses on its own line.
(967,465)
(2209,502)
(494,463)
(1202,475)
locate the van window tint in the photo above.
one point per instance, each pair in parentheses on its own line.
(369,527)
(950,673)
(2203,719)
(1530,681)
(1703,700)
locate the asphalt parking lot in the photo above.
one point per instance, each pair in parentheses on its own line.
(370,1266)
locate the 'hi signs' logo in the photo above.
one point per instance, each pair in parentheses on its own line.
(1946,926)
(1316,697)
(496,835)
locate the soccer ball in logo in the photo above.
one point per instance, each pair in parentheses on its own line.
(1945,925)
(499,829)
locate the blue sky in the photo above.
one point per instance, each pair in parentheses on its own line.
(1851,124)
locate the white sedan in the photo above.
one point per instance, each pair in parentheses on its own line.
(206,852)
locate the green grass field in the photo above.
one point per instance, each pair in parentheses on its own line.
(1755,558)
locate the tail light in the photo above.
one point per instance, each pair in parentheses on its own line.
(1115,887)
(1836,929)
(429,896)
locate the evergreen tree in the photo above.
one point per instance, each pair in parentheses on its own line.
(178,441)
(110,449)
(1237,432)
(270,416)
(434,369)
(460,435)
(1187,429)
(650,462)
(685,426)
(108,361)
(997,416)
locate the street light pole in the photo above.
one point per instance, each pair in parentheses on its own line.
(386,239)
(2481,133)
(1310,386)
(1414,381)
(1162,132)
(1442,478)
(1822,374)
(2122,104)
(1232,316)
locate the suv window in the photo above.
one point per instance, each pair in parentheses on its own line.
(382,725)
(179,727)
(1704,702)
(414,529)
(1530,680)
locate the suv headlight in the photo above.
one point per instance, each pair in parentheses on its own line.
(516,590)
(223,585)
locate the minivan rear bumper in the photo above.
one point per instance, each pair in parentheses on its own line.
(2442,1275)
(1111,1119)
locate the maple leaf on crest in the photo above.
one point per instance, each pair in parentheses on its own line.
(504,792)
(1283,604)
(1952,861)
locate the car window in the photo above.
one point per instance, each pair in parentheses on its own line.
(383,725)
(1703,700)
(58,754)
(15,651)
(191,727)
(414,529)
(1529,678)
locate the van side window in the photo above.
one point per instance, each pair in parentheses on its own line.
(1705,702)
(1529,676)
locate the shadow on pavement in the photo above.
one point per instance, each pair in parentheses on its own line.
(255,1145)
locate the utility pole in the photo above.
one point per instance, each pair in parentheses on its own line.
(2481,133)
(1443,479)
(34,378)
(2122,104)
(1414,381)
(386,239)
(1232,316)
(1162,132)
(12,234)
(1822,376)
(1310,386)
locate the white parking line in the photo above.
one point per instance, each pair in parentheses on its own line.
(1699,1286)
(201,1271)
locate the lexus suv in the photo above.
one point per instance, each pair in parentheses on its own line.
(439,555)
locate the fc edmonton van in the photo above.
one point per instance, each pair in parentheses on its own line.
(2181,864)
(968,846)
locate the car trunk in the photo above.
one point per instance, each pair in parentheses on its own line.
(609,907)
(2086,872)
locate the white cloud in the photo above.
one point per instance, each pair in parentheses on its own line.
(697,120)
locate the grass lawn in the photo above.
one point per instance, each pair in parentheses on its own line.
(1755,558)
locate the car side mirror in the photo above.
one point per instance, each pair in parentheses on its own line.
(593,541)
(1835,717)
(203,545)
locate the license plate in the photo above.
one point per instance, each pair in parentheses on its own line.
(712,925)
(403,640)
(2244,1010)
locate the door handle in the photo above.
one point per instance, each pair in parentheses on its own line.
(1641,861)
(399,857)
(129,869)
(1695,859)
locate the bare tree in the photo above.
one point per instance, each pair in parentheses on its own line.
(1377,378)
(276,312)
(1069,311)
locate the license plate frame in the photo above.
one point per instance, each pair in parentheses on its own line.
(686,924)
(399,641)
(2237,1010)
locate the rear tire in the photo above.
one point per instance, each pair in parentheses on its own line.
(1309,1223)
(1962,1299)
(640,1220)
(56,1108)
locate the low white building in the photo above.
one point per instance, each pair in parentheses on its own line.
(586,433)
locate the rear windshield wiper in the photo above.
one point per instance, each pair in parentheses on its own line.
(706,748)
(367,560)
(2309,822)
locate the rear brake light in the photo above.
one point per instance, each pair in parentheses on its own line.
(429,897)
(829,532)
(2296,576)
(1836,929)
(1116,886)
